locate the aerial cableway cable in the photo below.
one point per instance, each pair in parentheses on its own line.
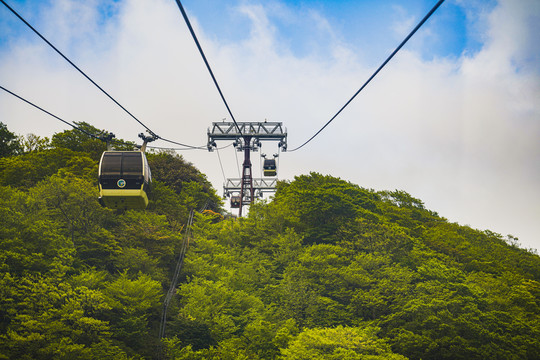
(221,165)
(94,83)
(51,114)
(174,281)
(184,246)
(428,15)
(84,131)
(183,149)
(237,163)
(188,23)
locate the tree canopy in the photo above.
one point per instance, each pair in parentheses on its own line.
(324,270)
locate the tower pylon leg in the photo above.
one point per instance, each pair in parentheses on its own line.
(247,177)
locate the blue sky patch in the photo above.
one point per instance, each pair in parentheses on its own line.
(371,28)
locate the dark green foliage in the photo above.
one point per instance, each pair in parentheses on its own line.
(78,281)
(339,343)
(79,141)
(319,205)
(185,180)
(327,270)
(9,143)
(33,142)
(330,269)
(25,171)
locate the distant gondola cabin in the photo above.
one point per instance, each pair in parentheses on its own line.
(124,180)
(269,167)
(235,201)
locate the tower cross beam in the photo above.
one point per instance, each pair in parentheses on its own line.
(260,131)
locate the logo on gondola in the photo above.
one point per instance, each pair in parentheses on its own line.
(121,183)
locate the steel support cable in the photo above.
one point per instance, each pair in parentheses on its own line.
(188,23)
(48,113)
(205,206)
(204,147)
(78,128)
(237,163)
(93,82)
(224,147)
(261,166)
(174,281)
(184,149)
(278,157)
(221,165)
(376,72)
(174,149)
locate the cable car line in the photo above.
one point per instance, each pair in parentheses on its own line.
(278,157)
(188,23)
(428,15)
(221,165)
(175,149)
(174,281)
(260,166)
(72,64)
(184,149)
(48,113)
(93,135)
(93,82)
(180,144)
(237,163)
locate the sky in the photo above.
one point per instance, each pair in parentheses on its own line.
(453,119)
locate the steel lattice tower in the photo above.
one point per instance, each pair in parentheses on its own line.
(247,137)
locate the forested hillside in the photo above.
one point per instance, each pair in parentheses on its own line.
(326,270)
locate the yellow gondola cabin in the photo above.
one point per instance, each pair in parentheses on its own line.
(124,180)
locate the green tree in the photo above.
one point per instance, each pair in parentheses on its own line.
(225,311)
(132,303)
(185,180)
(34,142)
(31,242)
(50,319)
(319,205)
(339,343)
(9,142)
(148,231)
(25,171)
(80,141)
(72,201)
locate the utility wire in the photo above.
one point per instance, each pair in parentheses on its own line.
(278,157)
(181,144)
(48,113)
(174,282)
(188,23)
(237,163)
(261,165)
(184,246)
(93,82)
(86,132)
(376,72)
(174,149)
(184,149)
(75,66)
(221,165)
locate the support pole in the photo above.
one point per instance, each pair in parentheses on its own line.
(247,177)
